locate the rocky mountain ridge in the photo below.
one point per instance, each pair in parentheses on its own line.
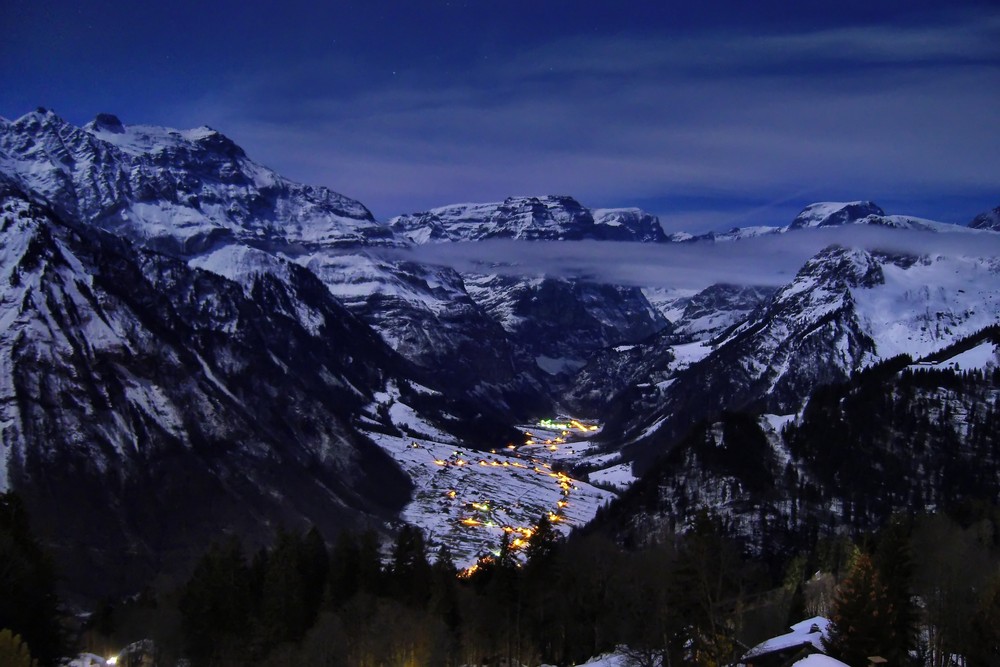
(173,305)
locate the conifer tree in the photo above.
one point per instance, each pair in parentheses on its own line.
(215,604)
(283,612)
(411,572)
(984,633)
(315,563)
(861,623)
(894,563)
(542,542)
(343,577)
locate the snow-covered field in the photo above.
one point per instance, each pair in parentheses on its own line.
(466,499)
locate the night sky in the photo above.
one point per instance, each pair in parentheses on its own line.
(711,116)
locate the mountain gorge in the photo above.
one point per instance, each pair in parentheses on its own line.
(185,333)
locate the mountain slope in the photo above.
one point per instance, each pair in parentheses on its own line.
(897,438)
(528,219)
(138,393)
(178,191)
(846,309)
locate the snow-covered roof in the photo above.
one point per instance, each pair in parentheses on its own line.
(819,660)
(810,631)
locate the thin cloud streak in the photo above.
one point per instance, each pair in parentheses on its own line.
(768,260)
(859,111)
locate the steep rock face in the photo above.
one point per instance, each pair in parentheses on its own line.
(530,219)
(146,405)
(426,314)
(651,364)
(718,308)
(618,369)
(989,220)
(559,323)
(178,191)
(830,214)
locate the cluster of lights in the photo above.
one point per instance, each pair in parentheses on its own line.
(519,536)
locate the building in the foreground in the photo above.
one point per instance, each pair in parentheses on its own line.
(805,640)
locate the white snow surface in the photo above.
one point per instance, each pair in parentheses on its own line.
(619,476)
(488,490)
(616,659)
(810,631)
(87,660)
(816,214)
(983,356)
(923,307)
(819,660)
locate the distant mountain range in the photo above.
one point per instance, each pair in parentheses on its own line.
(185,333)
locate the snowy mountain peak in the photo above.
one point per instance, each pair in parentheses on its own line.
(180,191)
(547,218)
(851,266)
(989,220)
(829,214)
(106,122)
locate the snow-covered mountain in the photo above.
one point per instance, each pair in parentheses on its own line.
(137,392)
(846,309)
(528,219)
(175,306)
(824,215)
(989,220)
(830,214)
(182,191)
(185,332)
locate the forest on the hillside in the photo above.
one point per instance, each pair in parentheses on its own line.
(884,518)
(918,591)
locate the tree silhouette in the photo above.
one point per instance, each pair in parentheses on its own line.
(861,624)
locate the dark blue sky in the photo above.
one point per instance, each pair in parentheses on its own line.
(711,116)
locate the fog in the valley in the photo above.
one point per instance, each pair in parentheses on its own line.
(764,260)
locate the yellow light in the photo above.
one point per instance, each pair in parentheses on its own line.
(553,448)
(440,462)
(469,521)
(452,494)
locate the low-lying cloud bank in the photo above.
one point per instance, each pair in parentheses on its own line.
(766,260)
